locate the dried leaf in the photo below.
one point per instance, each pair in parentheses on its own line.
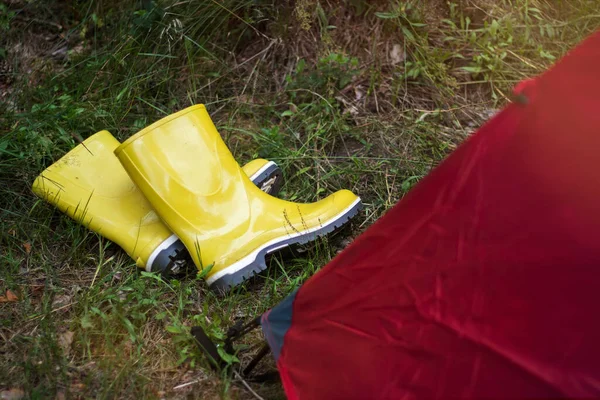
(78,387)
(9,297)
(358,93)
(61,300)
(27,247)
(65,340)
(397,54)
(12,394)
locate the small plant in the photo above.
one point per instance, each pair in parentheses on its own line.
(333,72)
(6,16)
(426,61)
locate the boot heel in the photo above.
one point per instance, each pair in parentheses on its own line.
(269,178)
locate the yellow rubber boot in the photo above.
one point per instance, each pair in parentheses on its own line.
(90,185)
(228,225)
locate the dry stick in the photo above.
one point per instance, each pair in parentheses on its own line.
(254,69)
(98,269)
(186,384)
(51,312)
(237,376)
(247,386)
(40,21)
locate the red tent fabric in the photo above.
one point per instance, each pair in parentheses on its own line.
(483,282)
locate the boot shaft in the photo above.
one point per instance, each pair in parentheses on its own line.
(90,185)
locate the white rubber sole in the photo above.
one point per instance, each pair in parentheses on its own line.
(164,245)
(262,169)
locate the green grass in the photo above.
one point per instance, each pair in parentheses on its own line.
(316,88)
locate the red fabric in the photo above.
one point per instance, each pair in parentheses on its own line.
(484,281)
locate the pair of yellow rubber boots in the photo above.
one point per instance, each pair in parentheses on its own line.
(174,193)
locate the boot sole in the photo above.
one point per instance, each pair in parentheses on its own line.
(171,257)
(255,262)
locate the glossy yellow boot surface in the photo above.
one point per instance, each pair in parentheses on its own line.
(90,185)
(228,225)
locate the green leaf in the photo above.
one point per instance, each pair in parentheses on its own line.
(303,171)
(494,27)
(547,55)
(408,183)
(152,275)
(408,34)
(473,69)
(175,329)
(130,328)
(86,322)
(161,315)
(385,15)
(121,93)
(205,271)
(228,358)
(148,302)
(300,66)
